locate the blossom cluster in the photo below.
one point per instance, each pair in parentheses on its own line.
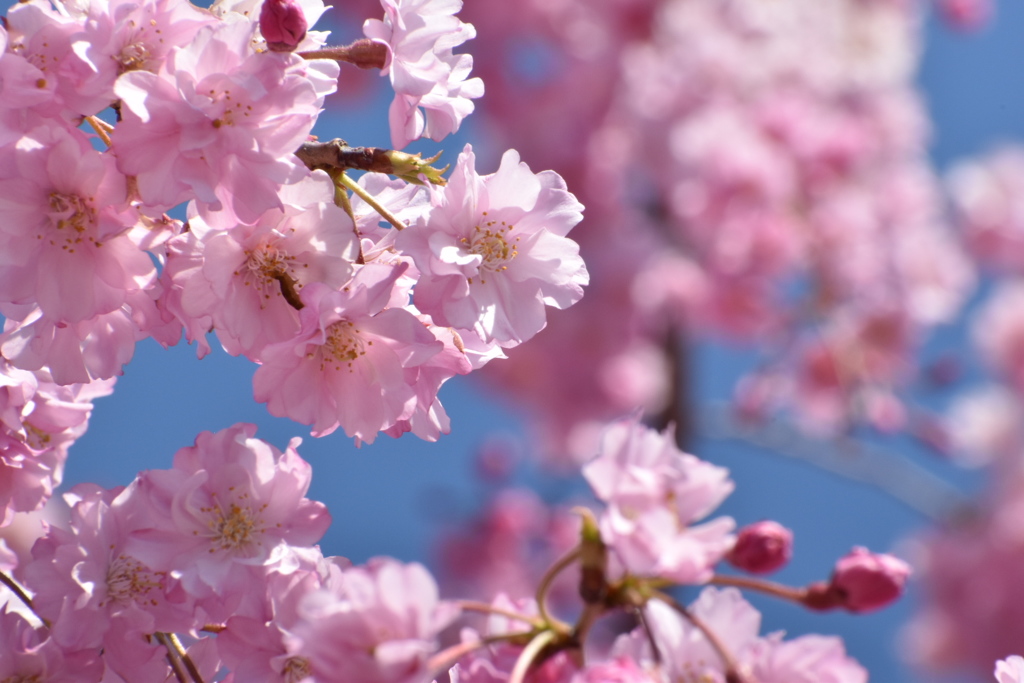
(117,118)
(737,189)
(353,326)
(212,566)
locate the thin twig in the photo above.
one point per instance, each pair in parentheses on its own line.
(449,657)
(529,655)
(186,659)
(172,658)
(474,606)
(545,585)
(22,595)
(777,590)
(728,661)
(371,200)
(101,127)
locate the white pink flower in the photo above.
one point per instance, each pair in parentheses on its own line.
(684,652)
(230,508)
(241,276)
(348,366)
(494,252)
(420,35)
(655,493)
(220,122)
(1010,670)
(377,624)
(63,225)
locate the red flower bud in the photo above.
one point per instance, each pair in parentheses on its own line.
(868,581)
(762,547)
(282,24)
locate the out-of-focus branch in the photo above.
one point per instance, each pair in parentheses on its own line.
(679,409)
(895,474)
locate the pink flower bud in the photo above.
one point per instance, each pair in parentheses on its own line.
(868,581)
(282,24)
(762,547)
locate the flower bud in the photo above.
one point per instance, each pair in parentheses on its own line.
(868,581)
(282,24)
(762,547)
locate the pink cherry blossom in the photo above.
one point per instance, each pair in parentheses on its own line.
(986,193)
(75,353)
(63,225)
(1010,670)
(420,35)
(655,493)
(120,36)
(253,642)
(92,591)
(29,655)
(685,651)
(378,624)
(347,366)
(220,122)
(232,506)
(237,276)
(493,252)
(39,421)
(618,670)
(998,331)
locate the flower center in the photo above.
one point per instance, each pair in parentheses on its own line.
(492,242)
(36,438)
(72,215)
(264,268)
(229,108)
(133,57)
(296,669)
(344,345)
(235,527)
(128,580)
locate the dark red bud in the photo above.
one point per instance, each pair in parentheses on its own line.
(868,581)
(282,24)
(762,547)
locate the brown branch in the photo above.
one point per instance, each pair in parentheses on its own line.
(363,53)
(336,155)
